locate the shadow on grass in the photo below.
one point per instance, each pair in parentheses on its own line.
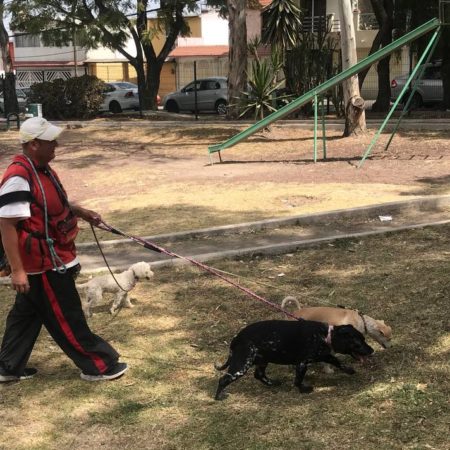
(432,186)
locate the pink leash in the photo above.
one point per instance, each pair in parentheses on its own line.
(152,246)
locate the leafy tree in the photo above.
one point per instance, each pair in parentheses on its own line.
(237,73)
(110,23)
(235,12)
(9,92)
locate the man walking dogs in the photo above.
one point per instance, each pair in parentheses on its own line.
(38,226)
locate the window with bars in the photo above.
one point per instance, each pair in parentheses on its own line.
(27,40)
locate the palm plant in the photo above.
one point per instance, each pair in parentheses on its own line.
(282,24)
(263,83)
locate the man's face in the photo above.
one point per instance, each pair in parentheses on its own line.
(42,151)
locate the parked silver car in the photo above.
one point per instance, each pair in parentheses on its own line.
(428,91)
(212,95)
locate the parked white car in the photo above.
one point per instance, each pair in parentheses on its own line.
(119,96)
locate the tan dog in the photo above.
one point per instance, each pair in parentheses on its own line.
(376,329)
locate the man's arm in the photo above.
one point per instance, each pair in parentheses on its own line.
(86,214)
(19,278)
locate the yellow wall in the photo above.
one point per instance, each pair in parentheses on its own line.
(109,71)
(167,79)
(159,35)
(118,72)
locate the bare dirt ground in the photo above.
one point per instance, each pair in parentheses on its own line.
(153,179)
(158,177)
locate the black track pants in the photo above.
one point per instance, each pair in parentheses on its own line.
(53,301)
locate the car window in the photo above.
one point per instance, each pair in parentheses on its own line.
(190,87)
(125,85)
(432,73)
(209,85)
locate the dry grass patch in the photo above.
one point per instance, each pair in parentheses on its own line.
(182,323)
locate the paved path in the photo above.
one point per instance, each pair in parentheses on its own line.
(269,236)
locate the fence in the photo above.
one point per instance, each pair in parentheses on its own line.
(26,78)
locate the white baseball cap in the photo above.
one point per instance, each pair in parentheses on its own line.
(38,128)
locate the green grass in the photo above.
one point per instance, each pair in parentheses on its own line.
(183,321)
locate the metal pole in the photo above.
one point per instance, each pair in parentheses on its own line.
(411,94)
(324,137)
(315,128)
(394,106)
(195,90)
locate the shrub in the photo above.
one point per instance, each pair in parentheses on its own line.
(75,98)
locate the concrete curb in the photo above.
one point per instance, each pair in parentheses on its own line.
(276,249)
(424,203)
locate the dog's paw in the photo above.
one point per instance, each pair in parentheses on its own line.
(305,389)
(348,370)
(221,396)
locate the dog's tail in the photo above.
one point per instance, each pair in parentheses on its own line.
(224,365)
(288,300)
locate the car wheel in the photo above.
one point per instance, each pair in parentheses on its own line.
(115,107)
(416,101)
(221,107)
(172,106)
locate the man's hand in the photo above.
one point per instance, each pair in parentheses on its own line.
(19,281)
(86,214)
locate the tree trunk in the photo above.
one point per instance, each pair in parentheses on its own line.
(355,119)
(384,12)
(10,104)
(154,68)
(237,75)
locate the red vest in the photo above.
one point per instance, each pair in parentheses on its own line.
(62,223)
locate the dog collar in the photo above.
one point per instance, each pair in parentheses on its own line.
(328,338)
(363,320)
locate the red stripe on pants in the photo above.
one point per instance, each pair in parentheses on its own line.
(99,363)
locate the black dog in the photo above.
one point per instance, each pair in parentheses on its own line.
(290,342)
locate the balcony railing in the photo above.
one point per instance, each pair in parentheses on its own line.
(314,24)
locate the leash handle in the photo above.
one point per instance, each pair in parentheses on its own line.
(152,246)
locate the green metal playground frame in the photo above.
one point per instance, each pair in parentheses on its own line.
(316,95)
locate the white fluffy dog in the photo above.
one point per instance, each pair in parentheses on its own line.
(95,288)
